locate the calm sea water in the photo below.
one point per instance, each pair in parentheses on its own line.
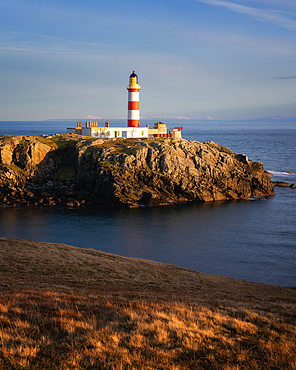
(253,240)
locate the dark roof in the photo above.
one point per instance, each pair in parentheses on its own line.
(133,74)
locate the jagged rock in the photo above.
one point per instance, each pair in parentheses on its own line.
(283,184)
(65,169)
(23,151)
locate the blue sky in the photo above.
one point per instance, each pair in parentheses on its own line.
(194,58)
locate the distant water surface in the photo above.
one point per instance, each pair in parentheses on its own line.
(253,240)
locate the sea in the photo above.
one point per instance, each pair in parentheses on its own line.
(253,240)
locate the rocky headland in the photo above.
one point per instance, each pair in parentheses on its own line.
(73,170)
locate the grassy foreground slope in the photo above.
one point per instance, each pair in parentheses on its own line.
(63,307)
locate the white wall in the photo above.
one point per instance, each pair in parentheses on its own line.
(128,132)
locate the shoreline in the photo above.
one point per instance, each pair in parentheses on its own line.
(35,257)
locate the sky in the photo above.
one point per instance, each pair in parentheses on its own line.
(195,59)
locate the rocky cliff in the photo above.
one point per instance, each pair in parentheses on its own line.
(67,169)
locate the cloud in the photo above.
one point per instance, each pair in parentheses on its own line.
(209,118)
(284,78)
(92,117)
(171,117)
(279,18)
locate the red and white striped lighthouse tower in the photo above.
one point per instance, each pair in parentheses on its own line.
(133,112)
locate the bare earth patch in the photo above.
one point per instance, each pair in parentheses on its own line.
(63,307)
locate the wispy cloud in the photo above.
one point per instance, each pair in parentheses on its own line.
(266,46)
(40,43)
(273,16)
(171,117)
(284,78)
(92,117)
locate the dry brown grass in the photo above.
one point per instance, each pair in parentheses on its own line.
(68,308)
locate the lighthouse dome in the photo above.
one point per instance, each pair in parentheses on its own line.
(133,79)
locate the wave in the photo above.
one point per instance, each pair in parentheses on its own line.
(280,173)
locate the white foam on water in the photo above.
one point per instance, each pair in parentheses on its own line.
(278,172)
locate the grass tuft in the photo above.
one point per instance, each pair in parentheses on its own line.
(47,330)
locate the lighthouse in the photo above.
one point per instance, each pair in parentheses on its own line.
(133,129)
(133,112)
